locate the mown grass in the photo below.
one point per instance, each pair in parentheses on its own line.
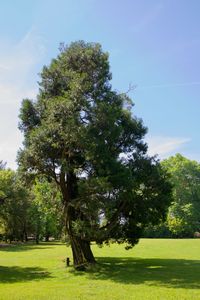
(154,269)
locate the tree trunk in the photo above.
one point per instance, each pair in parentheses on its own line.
(81,251)
(47,234)
(47,238)
(25,236)
(37,234)
(88,252)
(37,238)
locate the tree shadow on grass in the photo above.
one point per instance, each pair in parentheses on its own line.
(172,273)
(28,246)
(20,274)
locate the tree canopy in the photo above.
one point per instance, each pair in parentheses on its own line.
(84,136)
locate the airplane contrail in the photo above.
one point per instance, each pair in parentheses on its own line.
(166,85)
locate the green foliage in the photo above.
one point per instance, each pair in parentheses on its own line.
(81,134)
(28,211)
(14,207)
(46,210)
(157,231)
(184,213)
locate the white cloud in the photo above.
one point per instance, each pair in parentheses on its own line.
(18,64)
(165,146)
(10,94)
(9,148)
(16,61)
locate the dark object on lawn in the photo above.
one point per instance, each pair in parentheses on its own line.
(67,261)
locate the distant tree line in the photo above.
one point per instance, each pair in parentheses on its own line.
(28,211)
(183,217)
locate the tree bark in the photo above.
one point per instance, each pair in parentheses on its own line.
(81,250)
(47,234)
(46,238)
(37,239)
(25,236)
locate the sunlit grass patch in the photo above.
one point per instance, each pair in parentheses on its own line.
(154,269)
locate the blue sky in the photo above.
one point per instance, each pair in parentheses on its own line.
(154,45)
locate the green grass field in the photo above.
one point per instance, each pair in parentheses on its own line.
(154,269)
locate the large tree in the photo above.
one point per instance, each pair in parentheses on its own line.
(82,134)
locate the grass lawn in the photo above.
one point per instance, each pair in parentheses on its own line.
(154,269)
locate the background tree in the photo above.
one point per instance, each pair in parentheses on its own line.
(82,134)
(2,194)
(14,208)
(33,210)
(184,213)
(46,210)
